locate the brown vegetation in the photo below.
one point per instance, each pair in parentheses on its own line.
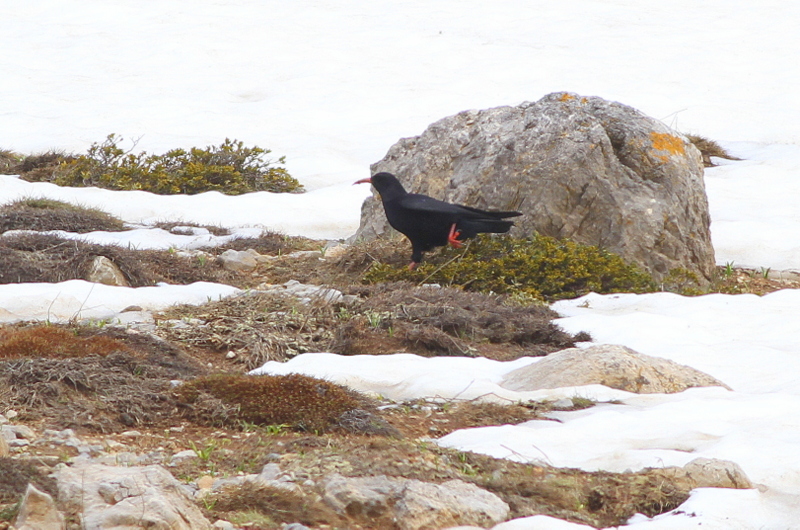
(295,401)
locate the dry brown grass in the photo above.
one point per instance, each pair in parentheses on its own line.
(89,379)
(275,505)
(35,257)
(295,401)
(48,214)
(53,342)
(709,148)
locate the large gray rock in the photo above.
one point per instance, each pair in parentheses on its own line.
(128,498)
(594,171)
(613,366)
(413,504)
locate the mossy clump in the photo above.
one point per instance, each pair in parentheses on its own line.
(9,160)
(295,400)
(271,505)
(53,342)
(49,214)
(682,281)
(539,266)
(229,168)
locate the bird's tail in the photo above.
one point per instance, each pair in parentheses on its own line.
(492,214)
(472,227)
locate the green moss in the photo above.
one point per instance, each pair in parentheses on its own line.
(539,266)
(683,281)
(230,168)
(300,401)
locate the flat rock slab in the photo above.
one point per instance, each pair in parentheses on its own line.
(128,498)
(611,365)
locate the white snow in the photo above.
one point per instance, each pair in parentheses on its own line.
(332,85)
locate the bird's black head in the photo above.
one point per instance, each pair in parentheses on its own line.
(387,185)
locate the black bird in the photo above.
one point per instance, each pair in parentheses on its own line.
(428,222)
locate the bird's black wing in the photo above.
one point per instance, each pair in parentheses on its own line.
(423,204)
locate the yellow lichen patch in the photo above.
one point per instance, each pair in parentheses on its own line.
(667,142)
(566,97)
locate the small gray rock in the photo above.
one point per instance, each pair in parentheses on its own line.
(38,512)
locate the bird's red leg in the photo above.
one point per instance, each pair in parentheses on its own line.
(452,237)
(412,265)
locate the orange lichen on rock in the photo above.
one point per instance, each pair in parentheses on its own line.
(566,97)
(667,142)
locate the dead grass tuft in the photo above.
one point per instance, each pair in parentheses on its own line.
(48,214)
(259,326)
(175,227)
(127,386)
(447,321)
(39,167)
(9,161)
(35,257)
(53,342)
(301,402)
(709,148)
(268,243)
(279,505)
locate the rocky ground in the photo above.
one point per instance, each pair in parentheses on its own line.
(85,400)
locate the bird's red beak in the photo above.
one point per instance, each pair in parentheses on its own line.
(367,180)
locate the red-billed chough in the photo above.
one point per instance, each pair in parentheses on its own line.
(428,222)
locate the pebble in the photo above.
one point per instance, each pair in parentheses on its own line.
(563,403)
(205,482)
(131,434)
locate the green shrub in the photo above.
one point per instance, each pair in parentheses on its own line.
(538,266)
(230,168)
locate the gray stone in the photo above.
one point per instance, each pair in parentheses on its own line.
(182,456)
(38,512)
(7,433)
(22,431)
(128,497)
(306,293)
(716,473)
(455,502)
(414,504)
(610,365)
(239,260)
(103,270)
(594,171)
